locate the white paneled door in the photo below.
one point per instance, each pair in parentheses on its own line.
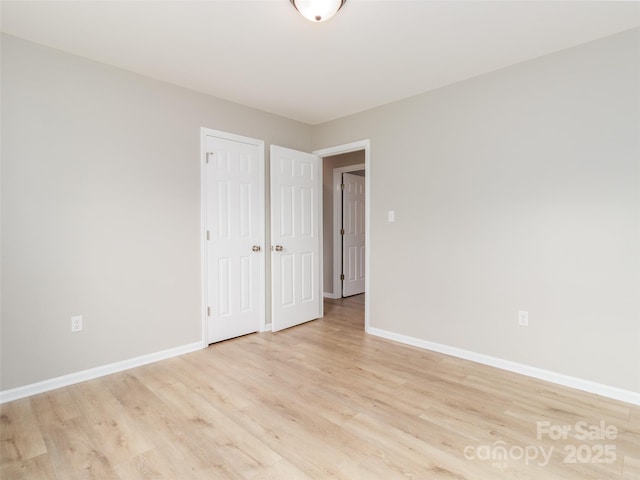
(295,237)
(234,222)
(353,238)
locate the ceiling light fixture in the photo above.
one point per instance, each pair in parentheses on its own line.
(318,10)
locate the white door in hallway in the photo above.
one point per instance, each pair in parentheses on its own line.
(295,237)
(353,238)
(234,222)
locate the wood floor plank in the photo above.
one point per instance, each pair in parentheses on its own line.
(318,401)
(235,446)
(160,464)
(111,426)
(55,407)
(35,468)
(21,438)
(280,470)
(72,452)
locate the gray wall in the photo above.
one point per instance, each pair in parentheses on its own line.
(328,164)
(515,190)
(518,189)
(101,209)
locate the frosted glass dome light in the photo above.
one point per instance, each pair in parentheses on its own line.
(318,10)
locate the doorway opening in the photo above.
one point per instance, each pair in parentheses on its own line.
(337,160)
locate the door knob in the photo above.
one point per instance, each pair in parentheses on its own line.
(256,248)
(278,248)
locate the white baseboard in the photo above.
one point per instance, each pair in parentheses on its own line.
(77,377)
(553,377)
(558,378)
(330,295)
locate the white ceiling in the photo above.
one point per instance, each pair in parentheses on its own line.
(265,55)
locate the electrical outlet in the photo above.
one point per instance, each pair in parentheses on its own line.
(523,318)
(76,323)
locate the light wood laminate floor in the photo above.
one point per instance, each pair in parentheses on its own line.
(318,401)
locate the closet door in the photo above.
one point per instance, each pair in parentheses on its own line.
(295,237)
(234,204)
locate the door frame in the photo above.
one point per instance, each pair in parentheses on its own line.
(338,213)
(348,148)
(204,132)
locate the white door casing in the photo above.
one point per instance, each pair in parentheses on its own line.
(234,278)
(338,150)
(295,237)
(353,238)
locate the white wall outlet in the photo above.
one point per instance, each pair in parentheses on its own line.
(76,323)
(523,318)
(391,215)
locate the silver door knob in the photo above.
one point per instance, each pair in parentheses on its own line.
(278,248)
(256,248)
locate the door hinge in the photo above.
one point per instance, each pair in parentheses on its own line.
(342,231)
(342,186)
(342,276)
(208,236)
(209,153)
(208,311)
